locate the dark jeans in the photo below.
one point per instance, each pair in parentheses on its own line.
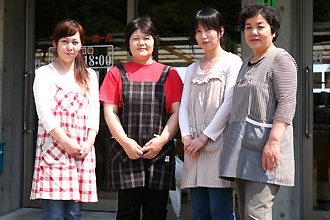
(153,203)
(212,203)
(61,209)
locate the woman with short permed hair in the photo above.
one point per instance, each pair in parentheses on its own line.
(258,153)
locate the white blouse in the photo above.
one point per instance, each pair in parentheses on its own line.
(228,67)
(44,89)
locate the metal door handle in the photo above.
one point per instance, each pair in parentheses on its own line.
(307,131)
(27,73)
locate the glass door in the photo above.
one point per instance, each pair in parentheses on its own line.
(104,25)
(173,20)
(105,22)
(321,110)
(316,147)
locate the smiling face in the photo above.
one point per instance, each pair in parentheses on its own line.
(258,34)
(207,38)
(141,46)
(68,47)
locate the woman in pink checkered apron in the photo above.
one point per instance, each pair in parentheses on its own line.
(66,97)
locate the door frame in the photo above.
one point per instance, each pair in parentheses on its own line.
(28,105)
(307,210)
(30,117)
(307,108)
(298,50)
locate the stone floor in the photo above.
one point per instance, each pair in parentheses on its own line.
(35,214)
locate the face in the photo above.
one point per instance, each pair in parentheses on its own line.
(207,38)
(141,46)
(68,47)
(258,33)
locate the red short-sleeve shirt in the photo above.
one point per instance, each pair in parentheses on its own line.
(111,88)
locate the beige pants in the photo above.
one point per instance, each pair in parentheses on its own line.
(255,199)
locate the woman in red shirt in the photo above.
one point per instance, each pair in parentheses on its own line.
(141,102)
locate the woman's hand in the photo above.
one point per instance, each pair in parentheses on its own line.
(132,149)
(87,145)
(85,149)
(270,155)
(195,145)
(186,141)
(152,148)
(69,145)
(271,152)
(193,148)
(72,148)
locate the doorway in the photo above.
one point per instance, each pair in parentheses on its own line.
(105,23)
(316,141)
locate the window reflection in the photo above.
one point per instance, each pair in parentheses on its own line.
(105,22)
(321,112)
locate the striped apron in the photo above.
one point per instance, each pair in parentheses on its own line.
(206,97)
(253,110)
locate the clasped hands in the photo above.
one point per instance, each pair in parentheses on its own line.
(78,151)
(148,151)
(191,147)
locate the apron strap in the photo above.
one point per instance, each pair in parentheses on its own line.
(163,76)
(123,72)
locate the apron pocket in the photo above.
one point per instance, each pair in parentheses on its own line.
(53,154)
(256,133)
(166,155)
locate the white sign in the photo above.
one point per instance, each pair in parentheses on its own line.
(96,56)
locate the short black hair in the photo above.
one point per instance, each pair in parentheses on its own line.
(253,9)
(208,18)
(145,24)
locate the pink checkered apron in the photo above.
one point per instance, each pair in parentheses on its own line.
(57,175)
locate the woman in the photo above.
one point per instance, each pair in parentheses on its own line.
(66,97)
(258,152)
(204,115)
(141,102)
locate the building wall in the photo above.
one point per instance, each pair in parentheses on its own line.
(12,56)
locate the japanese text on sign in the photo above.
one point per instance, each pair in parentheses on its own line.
(95,38)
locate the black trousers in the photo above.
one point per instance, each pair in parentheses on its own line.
(153,203)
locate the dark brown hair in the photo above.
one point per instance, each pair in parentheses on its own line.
(207,18)
(67,28)
(145,24)
(253,9)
